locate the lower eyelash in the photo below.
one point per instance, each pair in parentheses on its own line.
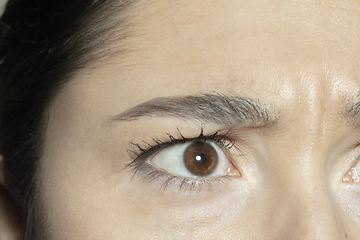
(184,184)
(191,185)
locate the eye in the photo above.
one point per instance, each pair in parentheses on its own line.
(353,174)
(189,164)
(194,159)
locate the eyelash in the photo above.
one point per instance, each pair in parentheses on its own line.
(140,156)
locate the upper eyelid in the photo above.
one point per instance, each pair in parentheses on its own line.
(159,144)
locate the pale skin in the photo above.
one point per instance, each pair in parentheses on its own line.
(300,60)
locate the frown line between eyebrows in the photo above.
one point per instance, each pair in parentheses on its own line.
(207,108)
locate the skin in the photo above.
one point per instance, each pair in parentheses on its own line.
(299,58)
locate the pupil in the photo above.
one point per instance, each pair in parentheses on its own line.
(201,158)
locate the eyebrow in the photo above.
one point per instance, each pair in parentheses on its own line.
(207,108)
(353,112)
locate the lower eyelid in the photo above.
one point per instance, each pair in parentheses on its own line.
(168,181)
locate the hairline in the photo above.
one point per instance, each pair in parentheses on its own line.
(95,56)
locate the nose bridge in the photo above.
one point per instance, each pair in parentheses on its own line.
(305,206)
(313,205)
(311,215)
(305,201)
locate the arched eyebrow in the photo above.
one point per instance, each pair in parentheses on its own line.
(207,108)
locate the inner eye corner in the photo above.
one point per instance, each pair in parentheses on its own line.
(234,171)
(352,176)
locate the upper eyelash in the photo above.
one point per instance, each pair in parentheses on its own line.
(141,153)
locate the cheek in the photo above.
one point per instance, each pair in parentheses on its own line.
(124,209)
(75,205)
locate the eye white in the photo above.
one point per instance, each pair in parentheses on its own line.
(171,159)
(357,167)
(357,172)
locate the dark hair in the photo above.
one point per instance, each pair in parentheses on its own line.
(42,44)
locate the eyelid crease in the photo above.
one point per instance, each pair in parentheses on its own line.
(215,108)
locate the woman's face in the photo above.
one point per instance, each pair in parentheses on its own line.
(226,120)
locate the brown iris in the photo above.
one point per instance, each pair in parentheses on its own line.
(200,158)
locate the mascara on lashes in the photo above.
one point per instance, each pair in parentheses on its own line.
(141,167)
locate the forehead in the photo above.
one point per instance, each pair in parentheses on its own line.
(277,51)
(291,27)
